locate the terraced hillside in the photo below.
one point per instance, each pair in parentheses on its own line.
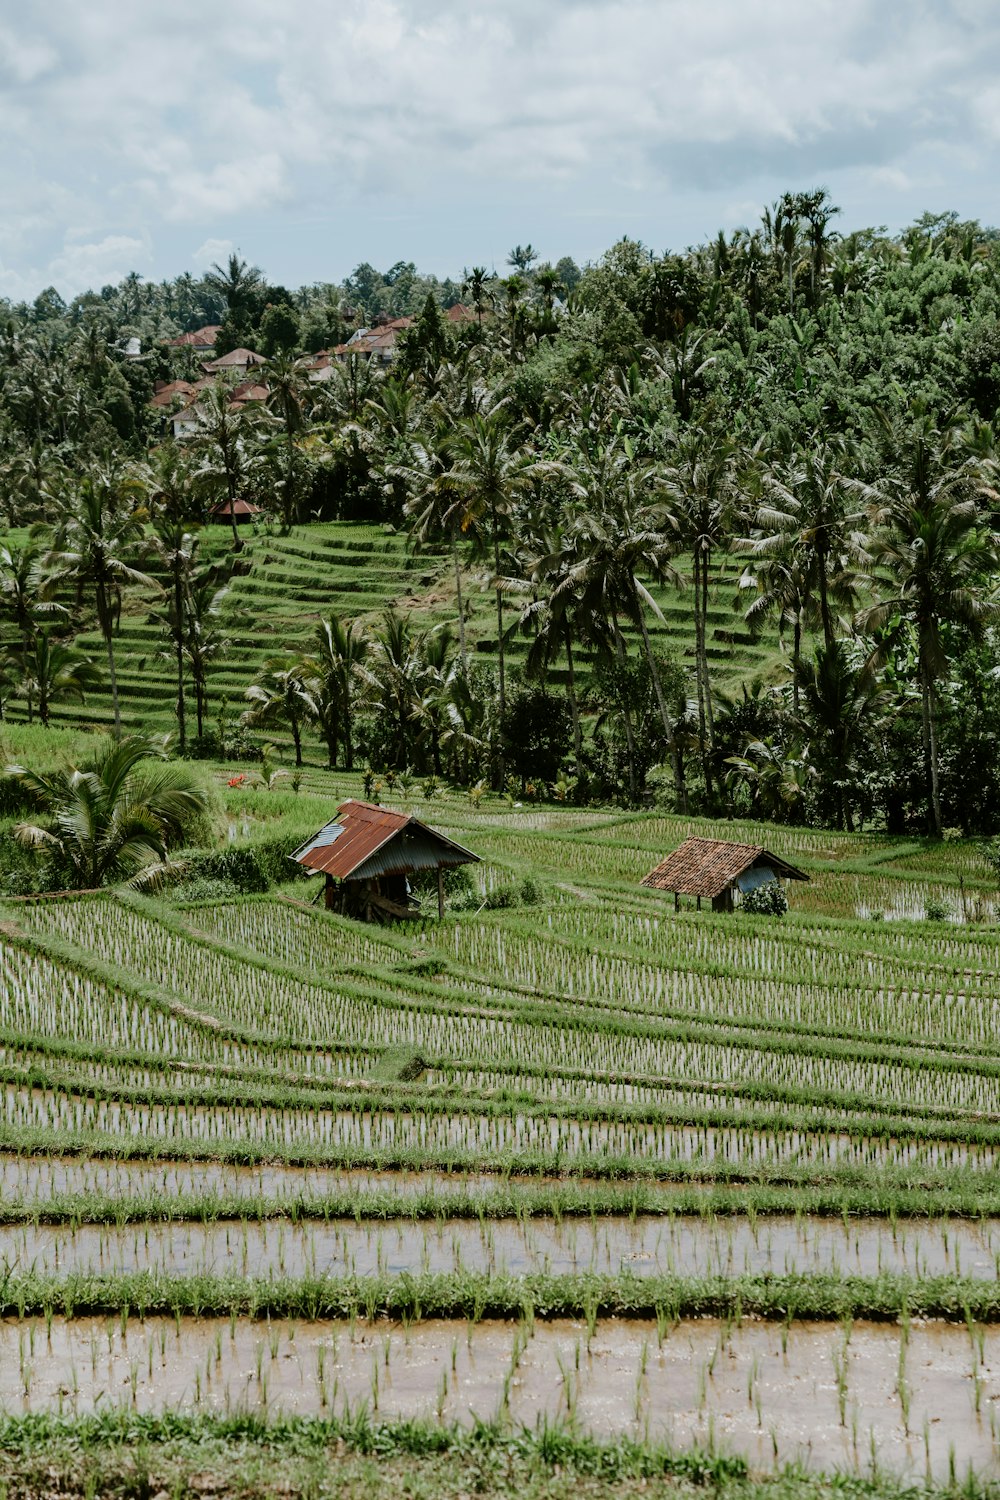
(357,571)
(571,1170)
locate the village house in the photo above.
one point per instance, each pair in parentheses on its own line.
(718,870)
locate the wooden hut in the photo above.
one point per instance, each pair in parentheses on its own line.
(244,511)
(367,853)
(717,870)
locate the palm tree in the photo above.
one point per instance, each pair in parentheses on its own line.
(805,510)
(489,473)
(701,489)
(287,398)
(432,511)
(236,283)
(935,551)
(177,546)
(840,700)
(51,670)
(115,817)
(331,671)
(281,695)
(98,539)
(391,673)
(204,641)
(616,538)
(26,588)
(221,442)
(476,284)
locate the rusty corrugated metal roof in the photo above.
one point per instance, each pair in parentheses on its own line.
(348,845)
(705,867)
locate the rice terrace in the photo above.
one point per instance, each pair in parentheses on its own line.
(500,842)
(579,1167)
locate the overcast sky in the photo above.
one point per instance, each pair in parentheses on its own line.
(155,137)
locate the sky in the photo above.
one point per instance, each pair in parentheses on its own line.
(313,136)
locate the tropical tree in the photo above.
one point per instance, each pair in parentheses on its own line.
(115,817)
(27,585)
(617,537)
(288,402)
(205,642)
(701,490)
(176,547)
(50,670)
(332,671)
(282,694)
(489,473)
(933,556)
(100,536)
(476,284)
(841,701)
(222,444)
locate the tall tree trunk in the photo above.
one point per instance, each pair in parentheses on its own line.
(930,745)
(796,656)
(459,604)
(668,728)
(179,637)
(824,596)
(574,706)
(626,714)
(297,740)
(701,667)
(199,704)
(104,620)
(499,593)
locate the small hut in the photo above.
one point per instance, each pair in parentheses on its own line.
(718,870)
(244,511)
(367,852)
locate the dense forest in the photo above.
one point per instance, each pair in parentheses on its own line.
(796,418)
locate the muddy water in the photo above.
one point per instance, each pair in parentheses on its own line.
(645,1246)
(831,1398)
(37,1178)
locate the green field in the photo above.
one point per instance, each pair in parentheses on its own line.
(574,1179)
(357,571)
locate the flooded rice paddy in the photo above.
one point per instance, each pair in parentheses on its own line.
(918,1400)
(644,1245)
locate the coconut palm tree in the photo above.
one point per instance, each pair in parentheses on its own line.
(475,284)
(115,817)
(204,641)
(617,538)
(490,472)
(50,670)
(99,537)
(288,402)
(222,444)
(177,546)
(841,700)
(332,670)
(27,585)
(935,556)
(701,489)
(282,694)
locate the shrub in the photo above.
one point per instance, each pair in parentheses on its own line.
(936,910)
(767,900)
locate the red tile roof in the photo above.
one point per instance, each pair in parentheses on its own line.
(358,831)
(706,867)
(236,359)
(240,507)
(201,338)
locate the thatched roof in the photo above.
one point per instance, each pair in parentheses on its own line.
(706,867)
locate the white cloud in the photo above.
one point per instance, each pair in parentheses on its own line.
(212,252)
(130,120)
(97,263)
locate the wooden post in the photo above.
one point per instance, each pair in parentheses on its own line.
(697,903)
(677,901)
(440,893)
